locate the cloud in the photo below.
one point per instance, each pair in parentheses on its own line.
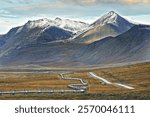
(94,2)
(5,26)
(29,5)
(18,1)
(6,14)
(79,2)
(2,11)
(86,2)
(8,1)
(136,1)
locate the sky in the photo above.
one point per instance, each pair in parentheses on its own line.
(17,12)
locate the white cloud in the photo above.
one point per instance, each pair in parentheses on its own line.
(4,11)
(93,2)
(6,14)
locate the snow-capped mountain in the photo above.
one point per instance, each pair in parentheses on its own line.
(40,31)
(110,24)
(54,33)
(112,18)
(45,24)
(66,24)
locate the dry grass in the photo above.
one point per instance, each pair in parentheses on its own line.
(137,76)
(28,81)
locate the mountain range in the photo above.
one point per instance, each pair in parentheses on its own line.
(111,39)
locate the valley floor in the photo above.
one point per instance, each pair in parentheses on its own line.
(125,82)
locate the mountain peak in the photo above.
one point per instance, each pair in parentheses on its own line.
(39,23)
(109,18)
(112,13)
(111,24)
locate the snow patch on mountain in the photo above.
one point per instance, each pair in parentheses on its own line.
(71,25)
(66,24)
(41,23)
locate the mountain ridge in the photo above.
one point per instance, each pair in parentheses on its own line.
(131,46)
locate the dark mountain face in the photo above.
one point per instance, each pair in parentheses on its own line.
(131,46)
(22,36)
(54,34)
(4,38)
(2,42)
